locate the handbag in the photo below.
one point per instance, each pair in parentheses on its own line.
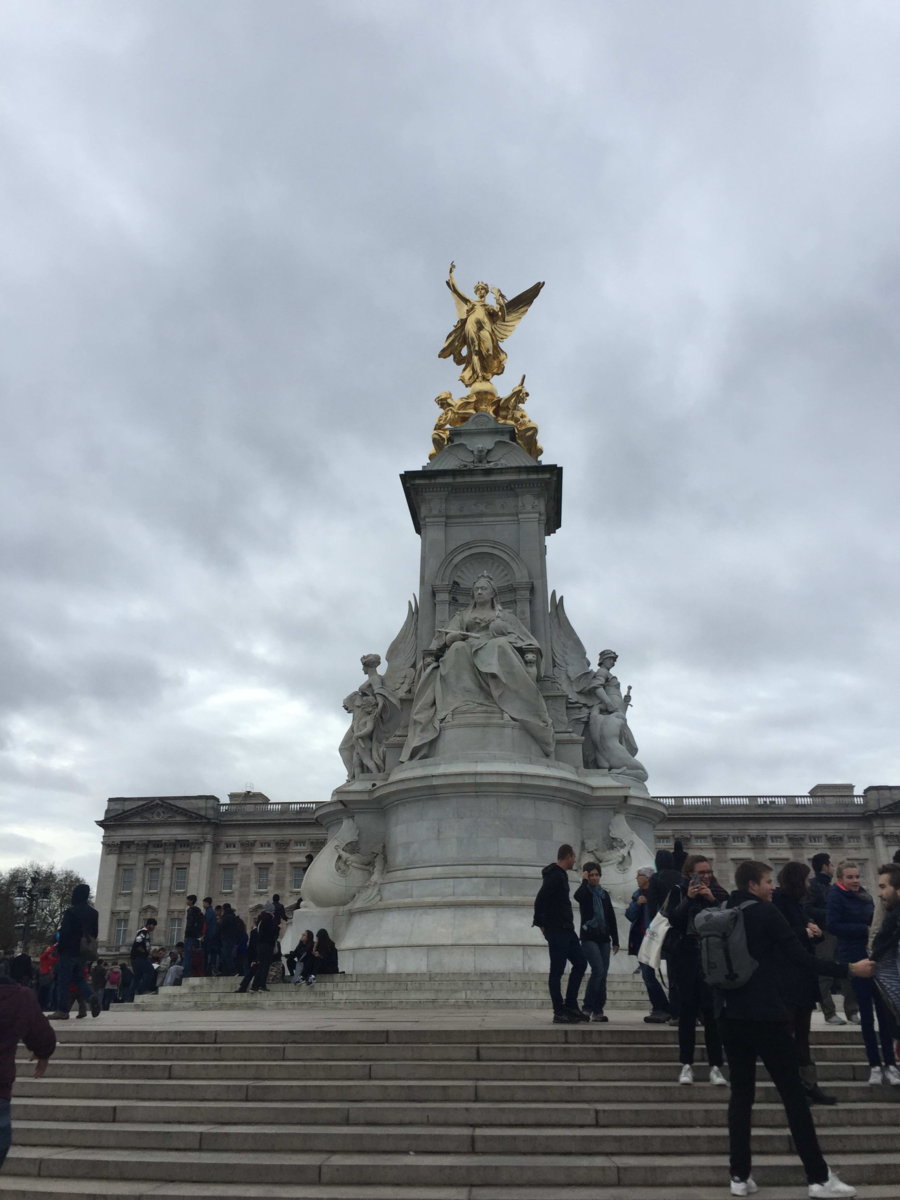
(651,948)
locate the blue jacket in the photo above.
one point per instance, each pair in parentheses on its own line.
(636,915)
(848,916)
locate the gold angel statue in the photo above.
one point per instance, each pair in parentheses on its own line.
(474,341)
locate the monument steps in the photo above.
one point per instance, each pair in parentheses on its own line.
(496,989)
(323,1114)
(78,1189)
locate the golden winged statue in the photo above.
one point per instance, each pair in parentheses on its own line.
(474,341)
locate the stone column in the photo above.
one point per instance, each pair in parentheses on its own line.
(279,873)
(106,888)
(137,892)
(165,889)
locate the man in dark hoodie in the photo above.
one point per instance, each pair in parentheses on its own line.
(79,921)
(20,1019)
(553,916)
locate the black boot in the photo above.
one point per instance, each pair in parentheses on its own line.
(815,1095)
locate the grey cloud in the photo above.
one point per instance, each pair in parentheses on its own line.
(225,299)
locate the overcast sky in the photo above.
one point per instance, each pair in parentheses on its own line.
(225,233)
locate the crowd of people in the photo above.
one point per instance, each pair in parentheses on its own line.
(68,976)
(748,967)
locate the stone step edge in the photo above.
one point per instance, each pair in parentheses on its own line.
(33,1188)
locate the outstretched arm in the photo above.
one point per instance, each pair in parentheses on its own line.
(451,284)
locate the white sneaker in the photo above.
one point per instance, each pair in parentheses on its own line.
(743,1187)
(875,1076)
(716,1077)
(836,1019)
(892,1076)
(831,1187)
(687,1074)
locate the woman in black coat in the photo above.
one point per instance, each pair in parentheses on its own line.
(799,989)
(324,957)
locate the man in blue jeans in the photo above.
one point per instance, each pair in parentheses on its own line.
(599,935)
(553,916)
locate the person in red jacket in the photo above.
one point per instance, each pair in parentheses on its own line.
(20,1019)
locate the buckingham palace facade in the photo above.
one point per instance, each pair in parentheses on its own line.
(158,849)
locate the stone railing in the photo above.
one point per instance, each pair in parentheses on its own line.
(300,808)
(727,802)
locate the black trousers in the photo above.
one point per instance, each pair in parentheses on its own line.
(564,947)
(773,1042)
(258,973)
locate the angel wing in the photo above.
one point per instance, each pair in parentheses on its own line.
(515,311)
(570,661)
(401,655)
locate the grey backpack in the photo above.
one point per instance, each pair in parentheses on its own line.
(724,958)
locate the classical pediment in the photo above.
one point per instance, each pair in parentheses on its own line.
(154,811)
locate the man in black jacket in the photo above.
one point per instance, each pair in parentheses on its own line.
(194,927)
(553,916)
(144,973)
(79,921)
(816,902)
(754,1021)
(260,951)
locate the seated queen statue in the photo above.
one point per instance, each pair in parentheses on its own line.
(484,661)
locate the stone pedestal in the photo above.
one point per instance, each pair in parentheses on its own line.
(464,845)
(454,840)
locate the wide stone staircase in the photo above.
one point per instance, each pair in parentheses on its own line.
(485,989)
(414,1113)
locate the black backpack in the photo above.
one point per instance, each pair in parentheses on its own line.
(725,960)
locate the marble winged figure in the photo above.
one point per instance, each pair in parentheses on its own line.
(594,699)
(374,707)
(474,341)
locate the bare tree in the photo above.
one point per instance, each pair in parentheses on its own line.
(33,898)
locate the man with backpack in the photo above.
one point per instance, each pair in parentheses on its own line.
(743,958)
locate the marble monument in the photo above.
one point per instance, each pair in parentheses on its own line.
(487,740)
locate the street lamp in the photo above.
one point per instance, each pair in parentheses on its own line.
(31,895)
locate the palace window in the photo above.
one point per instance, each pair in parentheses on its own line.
(176,925)
(228,879)
(265,845)
(262,879)
(153,879)
(297,874)
(179,882)
(183,845)
(126,881)
(776,838)
(121,931)
(739,839)
(231,845)
(814,839)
